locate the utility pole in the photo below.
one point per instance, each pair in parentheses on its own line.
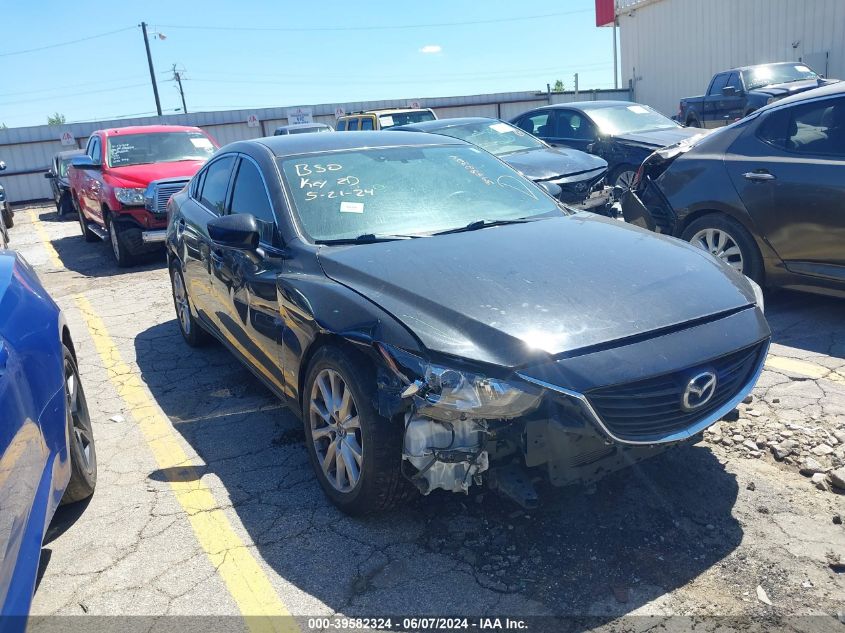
(150,63)
(177,75)
(615,70)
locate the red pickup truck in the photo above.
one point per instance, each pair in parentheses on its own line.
(109,183)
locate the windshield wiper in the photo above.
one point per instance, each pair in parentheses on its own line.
(366,238)
(482,224)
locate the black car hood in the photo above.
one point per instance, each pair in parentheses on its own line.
(657,138)
(543,164)
(513,294)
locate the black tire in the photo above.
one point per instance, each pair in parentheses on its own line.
(65,206)
(752,262)
(193,333)
(123,257)
(8,216)
(380,485)
(87,233)
(81,447)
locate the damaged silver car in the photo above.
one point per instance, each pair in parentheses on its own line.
(439,321)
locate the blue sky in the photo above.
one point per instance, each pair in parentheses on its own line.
(255,54)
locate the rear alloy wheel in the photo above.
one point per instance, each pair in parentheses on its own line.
(355,452)
(118,246)
(623,176)
(192,332)
(83,455)
(727,240)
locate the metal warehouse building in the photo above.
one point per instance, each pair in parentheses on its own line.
(671,48)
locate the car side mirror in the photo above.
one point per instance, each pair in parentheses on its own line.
(239,230)
(48,175)
(551,188)
(84,162)
(729,91)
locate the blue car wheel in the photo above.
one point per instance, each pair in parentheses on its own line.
(83,455)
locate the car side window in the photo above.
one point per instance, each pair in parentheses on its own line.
(367,123)
(197,184)
(734,82)
(719,82)
(573,125)
(249,195)
(816,129)
(537,123)
(351,125)
(341,125)
(94,149)
(215,184)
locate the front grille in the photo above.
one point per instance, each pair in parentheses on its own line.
(574,192)
(649,410)
(162,196)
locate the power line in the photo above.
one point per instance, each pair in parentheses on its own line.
(371,28)
(69,42)
(72,94)
(99,82)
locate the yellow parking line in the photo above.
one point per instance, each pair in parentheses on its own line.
(803,367)
(246,581)
(41,232)
(249,585)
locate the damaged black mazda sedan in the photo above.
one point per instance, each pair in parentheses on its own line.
(439,321)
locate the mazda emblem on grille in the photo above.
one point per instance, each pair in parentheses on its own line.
(699,391)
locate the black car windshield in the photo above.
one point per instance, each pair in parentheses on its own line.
(497,137)
(386,121)
(406,191)
(771,74)
(158,147)
(64,163)
(629,119)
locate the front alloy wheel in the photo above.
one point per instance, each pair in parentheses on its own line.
(721,245)
(355,452)
(336,430)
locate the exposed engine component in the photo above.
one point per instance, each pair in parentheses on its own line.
(448,455)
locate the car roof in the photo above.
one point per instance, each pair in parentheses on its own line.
(147,129)
(70,152)
(442,124)
(298,126)
(386,111)
(310,143)
(831,90)
(589,105)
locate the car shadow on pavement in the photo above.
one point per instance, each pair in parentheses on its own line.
(813,323)
(94,259)
(600,552)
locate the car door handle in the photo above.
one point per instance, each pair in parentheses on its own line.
(758,175)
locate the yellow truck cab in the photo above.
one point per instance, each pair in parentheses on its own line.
(383,119)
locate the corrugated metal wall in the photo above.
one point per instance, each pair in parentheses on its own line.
(671,48)
(28,151)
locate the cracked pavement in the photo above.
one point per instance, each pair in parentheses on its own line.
(693,532)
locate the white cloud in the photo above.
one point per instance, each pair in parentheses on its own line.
(431,48)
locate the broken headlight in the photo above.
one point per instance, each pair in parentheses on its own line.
(447,394)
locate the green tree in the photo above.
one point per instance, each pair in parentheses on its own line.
(56,119)
(558,86)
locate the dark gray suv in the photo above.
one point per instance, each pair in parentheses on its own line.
(439,321)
